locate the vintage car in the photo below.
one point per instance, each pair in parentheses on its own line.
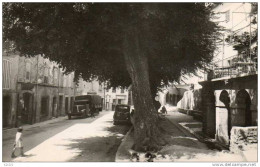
(122,114)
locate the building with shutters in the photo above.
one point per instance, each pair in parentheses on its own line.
(34,88)
(110,97)
(93,87)
(114,96)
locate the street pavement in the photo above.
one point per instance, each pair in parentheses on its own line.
(78,140)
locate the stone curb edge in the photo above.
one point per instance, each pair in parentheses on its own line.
(117,159)
(181,128)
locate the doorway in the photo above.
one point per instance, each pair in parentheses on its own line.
(243,102)
(60,105)
(44,107)
(6,110)
(28,106)
(66,105)
(54,106)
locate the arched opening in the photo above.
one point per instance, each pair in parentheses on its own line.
(167,97)
(6,110)
(54,106)
(243,102)
(60,105)
(27,111)
(66,105)
(224,98)
(44,107)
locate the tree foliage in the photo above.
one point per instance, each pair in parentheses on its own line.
(143,44)
(241,41)
(87,37)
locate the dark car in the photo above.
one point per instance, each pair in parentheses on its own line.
(122,114)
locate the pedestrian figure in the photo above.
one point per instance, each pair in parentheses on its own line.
(18,142)
(149,156)
(163,110)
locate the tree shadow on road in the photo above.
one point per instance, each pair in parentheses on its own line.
(99,149)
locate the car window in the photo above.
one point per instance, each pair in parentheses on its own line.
(122,108)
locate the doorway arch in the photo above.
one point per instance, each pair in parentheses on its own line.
(224,98)
(243,102)
(27,107)
(6,110)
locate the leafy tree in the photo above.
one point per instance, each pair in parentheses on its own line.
(241,41)
(143,44)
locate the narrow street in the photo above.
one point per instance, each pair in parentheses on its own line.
(90,139)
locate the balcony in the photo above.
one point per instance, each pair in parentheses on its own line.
(234,66)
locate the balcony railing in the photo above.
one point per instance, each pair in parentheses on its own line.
(234,66)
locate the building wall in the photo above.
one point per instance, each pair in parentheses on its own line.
(172,94)
(9,76)
(191,100)
(95,87)
(33,79)
(115,97)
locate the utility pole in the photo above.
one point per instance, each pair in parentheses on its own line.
(36,90)
(105,95)
(250,36)
(59,107)
(223,53)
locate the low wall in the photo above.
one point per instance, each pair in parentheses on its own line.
(243,139)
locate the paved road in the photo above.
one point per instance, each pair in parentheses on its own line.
(89,139)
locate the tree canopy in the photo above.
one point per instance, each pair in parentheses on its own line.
(87,37)
(143,44)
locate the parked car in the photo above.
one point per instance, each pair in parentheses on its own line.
(84,103)
(122,114)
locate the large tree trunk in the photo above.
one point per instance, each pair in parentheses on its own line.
(146,133)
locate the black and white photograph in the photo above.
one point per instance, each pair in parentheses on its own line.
(164,82)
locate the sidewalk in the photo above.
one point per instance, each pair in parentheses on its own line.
(186,145)
(9,133)
(189,125)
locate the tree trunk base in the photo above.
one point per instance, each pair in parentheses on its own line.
(160,138)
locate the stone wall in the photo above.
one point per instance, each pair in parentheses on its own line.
(243,139)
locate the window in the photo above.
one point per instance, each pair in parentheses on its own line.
(55,75)
(28,71)
(64,80)
(122,90)
(100,88)
(46,74)
(6,74)
(119,101)
(114,90)
(68,80)
(44,106)
(114,101)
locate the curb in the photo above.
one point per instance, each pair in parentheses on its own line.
(126,144)
(181,128)
(200,138)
